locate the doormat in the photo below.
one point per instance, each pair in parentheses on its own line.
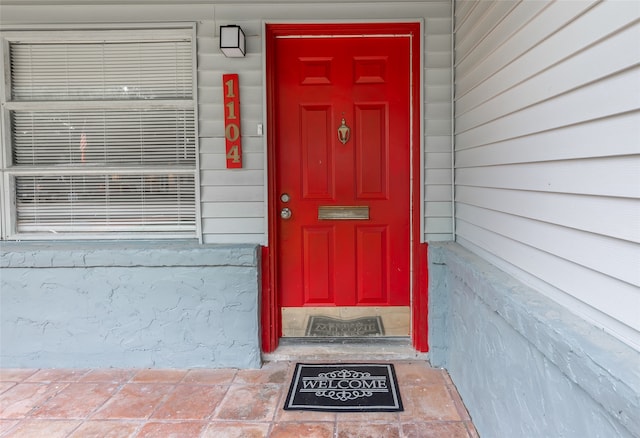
(344,388)
(334,327)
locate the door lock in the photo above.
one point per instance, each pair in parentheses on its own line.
(285,213)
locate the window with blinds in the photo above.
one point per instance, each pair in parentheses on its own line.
(102,134)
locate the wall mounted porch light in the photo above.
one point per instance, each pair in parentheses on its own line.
(232,42)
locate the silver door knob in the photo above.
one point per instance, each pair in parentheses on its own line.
(285,213)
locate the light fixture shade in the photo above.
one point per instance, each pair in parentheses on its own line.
(232,41)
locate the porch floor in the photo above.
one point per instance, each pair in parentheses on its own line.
(213,403)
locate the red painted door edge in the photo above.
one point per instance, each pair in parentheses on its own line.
(269,309)
(420,307)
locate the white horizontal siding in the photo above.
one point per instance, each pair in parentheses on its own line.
(585,213)
(509,48)
(436,193)
(613,258)
(575,73)
(586,103)
(60,14)
(219,194)
(581,140)
(501,30)
(236,209)
(608,176)
(332,10)
(437,110)
(547,119)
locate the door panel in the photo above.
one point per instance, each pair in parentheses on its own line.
(372,254)
(357,254)
(318,253)
(372,151)
(317,157)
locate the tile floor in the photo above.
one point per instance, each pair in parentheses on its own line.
(213,403)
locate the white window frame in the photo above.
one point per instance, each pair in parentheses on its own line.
(118,32)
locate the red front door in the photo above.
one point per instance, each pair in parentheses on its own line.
(342,170)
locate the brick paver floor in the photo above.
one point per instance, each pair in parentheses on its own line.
(213,403)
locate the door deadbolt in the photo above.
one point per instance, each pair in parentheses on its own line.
(285,213)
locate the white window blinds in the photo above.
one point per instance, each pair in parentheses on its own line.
(103,134)
(101,70)
(103,137)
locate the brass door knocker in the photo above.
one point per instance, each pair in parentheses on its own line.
(344,132)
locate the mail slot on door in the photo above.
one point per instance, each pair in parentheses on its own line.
(341,212)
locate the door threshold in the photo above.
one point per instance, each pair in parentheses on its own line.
(347,340)
(344,349)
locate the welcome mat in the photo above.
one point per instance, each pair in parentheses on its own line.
(331,327)
(344,388)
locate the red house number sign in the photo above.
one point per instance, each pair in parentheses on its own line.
(232,120)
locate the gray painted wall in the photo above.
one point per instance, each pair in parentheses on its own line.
(524,365)
(174,305)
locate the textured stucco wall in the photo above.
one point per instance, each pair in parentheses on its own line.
(524,365)
(129,305)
